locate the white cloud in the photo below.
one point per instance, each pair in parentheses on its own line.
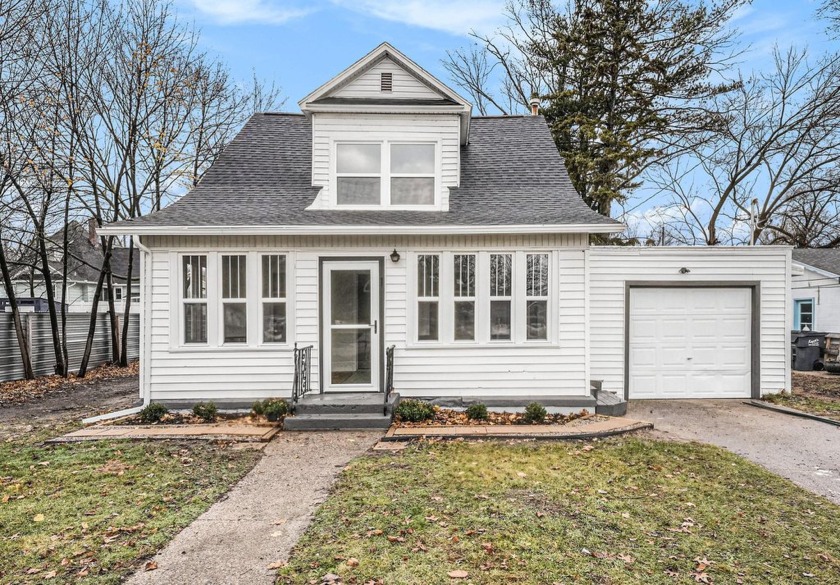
(457,17)
(252,11)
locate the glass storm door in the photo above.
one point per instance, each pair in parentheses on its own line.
(350,319)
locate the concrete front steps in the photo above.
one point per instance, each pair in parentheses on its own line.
(342,411)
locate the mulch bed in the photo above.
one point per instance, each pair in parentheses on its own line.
(23,391)
(820,385)
(449,417)
(188,418)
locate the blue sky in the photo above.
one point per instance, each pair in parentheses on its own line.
(300,45)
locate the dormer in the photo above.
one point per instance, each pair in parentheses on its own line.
(386,134)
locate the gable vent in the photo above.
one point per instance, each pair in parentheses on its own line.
(386,81)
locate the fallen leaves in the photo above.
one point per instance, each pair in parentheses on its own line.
(23,391)
(38,518)
(458,574)
(150,566)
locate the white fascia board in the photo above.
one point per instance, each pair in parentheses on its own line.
(317,230)
(819,271)
(381,108)
(694,249)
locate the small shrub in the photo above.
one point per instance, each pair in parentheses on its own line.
(206,411)
(258,408)
(477,411)
(274,408)
(152,413)
(535,413)
(413,410)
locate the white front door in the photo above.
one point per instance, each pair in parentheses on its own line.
(351,328)
(690,343)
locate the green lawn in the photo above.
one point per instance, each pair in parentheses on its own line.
(622,511)
(89,512)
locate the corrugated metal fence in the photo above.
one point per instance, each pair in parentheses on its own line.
(37,326)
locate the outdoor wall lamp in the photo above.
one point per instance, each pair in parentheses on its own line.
(395,256)
(684,270)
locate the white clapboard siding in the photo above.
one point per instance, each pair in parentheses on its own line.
(245,374)
(404,84)
(611,267)
(329,128)
(824,291)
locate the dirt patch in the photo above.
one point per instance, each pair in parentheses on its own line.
(450,417)
(68,401)
(813,392)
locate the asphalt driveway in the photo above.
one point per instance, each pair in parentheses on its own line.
(806,452)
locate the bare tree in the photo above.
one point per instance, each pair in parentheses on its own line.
(776,148)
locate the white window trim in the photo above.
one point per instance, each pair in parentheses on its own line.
(234,301)
(263,300)
(512,298)
(215,322)
(797,312)
(546,298)
(385,174)
(450,303)
(446,308)
(417,299)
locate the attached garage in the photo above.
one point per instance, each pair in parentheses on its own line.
(689,322)
(689,342)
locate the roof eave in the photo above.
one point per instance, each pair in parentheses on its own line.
(315,230)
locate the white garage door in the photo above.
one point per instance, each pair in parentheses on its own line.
(689,342)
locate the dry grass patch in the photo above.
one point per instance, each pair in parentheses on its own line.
(813,392)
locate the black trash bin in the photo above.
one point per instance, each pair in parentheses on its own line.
(807,350)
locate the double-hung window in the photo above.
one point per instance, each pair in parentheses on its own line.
(234,295)
(464,297)
(428,296)
(385,174)
(274,298)
(194,298)
(358,169)
(536,296)
(412,174)
(501,296)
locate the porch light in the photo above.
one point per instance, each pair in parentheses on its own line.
(395,256)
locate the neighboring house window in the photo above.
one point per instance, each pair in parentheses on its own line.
(194,299)
(536,296)
(428,296)
(234,306)
(358,174)
(500,296)
(803,315)
(381,174)
(464,295)
(118,293)
(412,174)
(273,297)
(84,294)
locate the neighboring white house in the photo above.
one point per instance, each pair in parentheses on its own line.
(84,264)
(387,215)
(815,289)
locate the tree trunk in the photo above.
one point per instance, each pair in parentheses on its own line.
(60,366)
(23,344)
(112,315)
(106,267)
(126,313)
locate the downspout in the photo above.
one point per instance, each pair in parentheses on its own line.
(145,320)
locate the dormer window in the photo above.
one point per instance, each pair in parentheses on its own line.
(387,173)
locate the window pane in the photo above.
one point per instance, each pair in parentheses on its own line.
(427,321)
(537,320)
(464,320)
(500,267)
(274,322)
(274,277)
(500,320)
(195,323)
(537,278)
(412,191)
(235,322)
(464,275)
(350,356)
(233,277)
(350,298)
(195,277)
(358,158)
(358,191)
(428,266)
(413,158)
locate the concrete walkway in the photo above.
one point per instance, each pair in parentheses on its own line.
(805,451)
(262,517)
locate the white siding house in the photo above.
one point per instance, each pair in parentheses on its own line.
(815,289)
(387,216)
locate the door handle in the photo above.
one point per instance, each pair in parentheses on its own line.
(375,326)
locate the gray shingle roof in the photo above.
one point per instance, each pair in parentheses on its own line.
(827,259)
(511,174)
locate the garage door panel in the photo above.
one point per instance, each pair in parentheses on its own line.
(701,347)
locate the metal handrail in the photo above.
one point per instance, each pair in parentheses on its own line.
(302,381)
(389,374)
